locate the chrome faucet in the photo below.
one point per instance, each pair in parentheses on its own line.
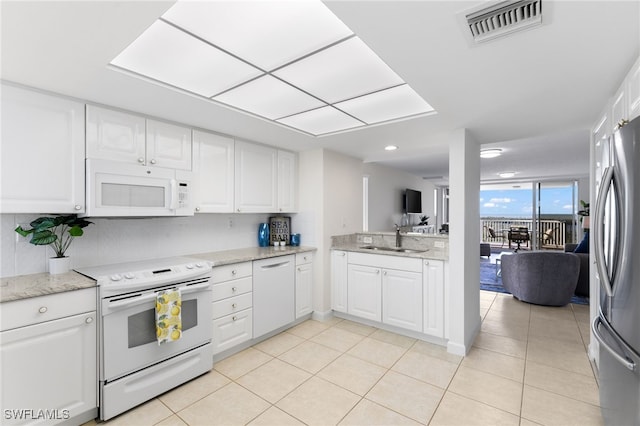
(398,240)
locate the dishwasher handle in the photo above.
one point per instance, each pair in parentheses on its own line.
(275,265)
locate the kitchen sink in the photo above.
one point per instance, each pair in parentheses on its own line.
(394,249)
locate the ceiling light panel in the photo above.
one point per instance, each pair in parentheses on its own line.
(169,55)
(390,104)
(322,120)
(341,72)
(266,34)
(269,97)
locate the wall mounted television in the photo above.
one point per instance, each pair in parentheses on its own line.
(412,201)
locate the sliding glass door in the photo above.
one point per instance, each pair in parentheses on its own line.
(555,215)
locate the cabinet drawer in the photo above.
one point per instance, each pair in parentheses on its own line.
(303,258)
(232,305)
(232,288)
(35,310)
(232,330)
(388,262)
(231,272)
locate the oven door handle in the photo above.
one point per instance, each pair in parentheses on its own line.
(193,288)
(132,301)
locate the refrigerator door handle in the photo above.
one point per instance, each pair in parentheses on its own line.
(621,358)
(601,265)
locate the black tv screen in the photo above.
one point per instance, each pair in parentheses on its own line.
(412,201)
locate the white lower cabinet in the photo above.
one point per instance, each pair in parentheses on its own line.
(49,368)
(433,290)
(304,284)
(339,276)
(232,305)
(364,292)
(402,299)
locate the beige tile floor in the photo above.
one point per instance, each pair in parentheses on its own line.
(528,367)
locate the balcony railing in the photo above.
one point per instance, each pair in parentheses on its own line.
(551,234)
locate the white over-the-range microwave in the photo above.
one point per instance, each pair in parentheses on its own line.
(130,190)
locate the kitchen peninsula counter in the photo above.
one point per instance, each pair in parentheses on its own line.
(435,247)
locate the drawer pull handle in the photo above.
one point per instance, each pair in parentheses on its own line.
(234,289)
(89,320)
(235,318)
(235,305)
(43,309)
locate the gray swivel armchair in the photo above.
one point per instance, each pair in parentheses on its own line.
(542,278)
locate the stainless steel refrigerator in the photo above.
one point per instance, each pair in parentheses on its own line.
(616,237)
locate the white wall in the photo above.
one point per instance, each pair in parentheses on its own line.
(123,240)
(386,189)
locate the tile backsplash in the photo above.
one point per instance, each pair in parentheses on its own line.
(116,240)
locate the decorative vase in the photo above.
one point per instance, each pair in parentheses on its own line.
(59,265)
(263,235)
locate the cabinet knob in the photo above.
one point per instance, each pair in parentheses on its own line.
(238,210)
(343,254)
(141,160)
(197,209)
(153,161)
(43,309)
(305,258)
(426,263)
(234,289)
(377,271)
(234,272)
(89,320)
(77,207)
(280,209)
(235,305)
(235,318)
(299,269)
(384,273)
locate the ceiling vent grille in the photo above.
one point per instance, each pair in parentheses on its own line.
(503,18)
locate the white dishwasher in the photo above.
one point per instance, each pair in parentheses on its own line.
(273,293)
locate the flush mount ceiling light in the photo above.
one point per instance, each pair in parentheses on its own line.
(507,174)
(490,153)
(294,63)
(390,148)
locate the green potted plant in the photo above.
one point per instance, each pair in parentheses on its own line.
(57,232)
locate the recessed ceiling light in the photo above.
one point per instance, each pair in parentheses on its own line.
(490,153)
(390,148)
(294,63)
(507,174)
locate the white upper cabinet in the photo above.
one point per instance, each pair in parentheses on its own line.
(168,145)
(633,91)
(256,178)
(287,181)
(115,135)
(120,136)
(213,172)
(42,153)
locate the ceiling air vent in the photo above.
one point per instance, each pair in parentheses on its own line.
(503,18)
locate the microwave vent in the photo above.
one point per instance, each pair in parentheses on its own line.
(502,18)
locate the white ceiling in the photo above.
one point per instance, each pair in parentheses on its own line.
(535,93)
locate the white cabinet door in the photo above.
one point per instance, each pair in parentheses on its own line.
(232,330)
(168,145)
(364,292)
(255,178)
(51,365)
(304,288)
(115,135)
(287,181)
(402,299)
(213,169)
(619,107)
(433,291)
(633,91)
(42,153)
(339,281)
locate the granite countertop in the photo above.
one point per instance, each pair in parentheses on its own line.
(33,285)
(226,257)
(434,254)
